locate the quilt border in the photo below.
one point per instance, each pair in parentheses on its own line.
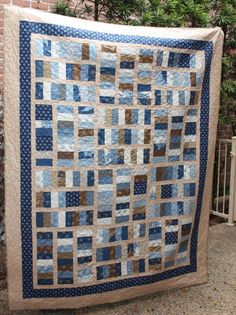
(26,29)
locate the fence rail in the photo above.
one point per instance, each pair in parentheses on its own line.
(224,180)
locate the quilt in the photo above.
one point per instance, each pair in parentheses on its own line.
(110,134)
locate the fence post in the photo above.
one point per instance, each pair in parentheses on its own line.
(232,194)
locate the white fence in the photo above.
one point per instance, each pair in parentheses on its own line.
(224,192)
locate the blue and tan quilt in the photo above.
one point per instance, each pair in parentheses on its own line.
(110,134)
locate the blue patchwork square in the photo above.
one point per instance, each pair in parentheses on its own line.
(39,68)
(155,231)
(44,140)
(189,189)
(140,184)
(86,158)
(84,248)
(147,116)
(154,261)
(101,136)
(183,247)
(161,78)
(107,99)
(141,229)
(107,70)
(43,112)
(44,241)
(47,45)
(90,178)
(76,179)
(159,57)
(88,72)
(174,59)
(189,154)
(84,242)
(157,97)
(105,177)
(127,64)
(38,90)
(76,94)
(190,128)
(58,91)
(69,71)
(184,60)
(102,272)
(87,93)
(47,199)
(169,191)
(171,238)
(169,97)
(72,199)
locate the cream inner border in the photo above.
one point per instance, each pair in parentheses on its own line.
(95,167)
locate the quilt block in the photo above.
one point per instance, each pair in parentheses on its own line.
(110,135)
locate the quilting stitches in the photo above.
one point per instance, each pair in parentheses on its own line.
(63,199)
(64,178)
(171,240)
(116,157)
(43,117)
(84,246)
(123,136)
(65,71)
(45,258)
(63,219)
(105,196)
(123,195)
(184,241)
(123,156)
(154,245)
(64,92)
(65,135)
(65,257)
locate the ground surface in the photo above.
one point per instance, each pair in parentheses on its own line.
(217,297)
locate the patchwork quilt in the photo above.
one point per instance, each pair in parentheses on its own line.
(110,134)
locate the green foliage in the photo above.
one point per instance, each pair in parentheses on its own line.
(223,14)
(229,88)
(173,13)
(223,119)
(120,11)
(157,12)
(63,8)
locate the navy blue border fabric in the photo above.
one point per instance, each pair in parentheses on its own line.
(28,28)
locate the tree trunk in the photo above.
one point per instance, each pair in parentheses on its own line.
(96,4)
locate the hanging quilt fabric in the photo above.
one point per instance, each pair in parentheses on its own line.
(110,136)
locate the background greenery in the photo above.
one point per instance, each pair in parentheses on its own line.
(173,13)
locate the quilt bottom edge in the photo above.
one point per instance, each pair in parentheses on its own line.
(197,278)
